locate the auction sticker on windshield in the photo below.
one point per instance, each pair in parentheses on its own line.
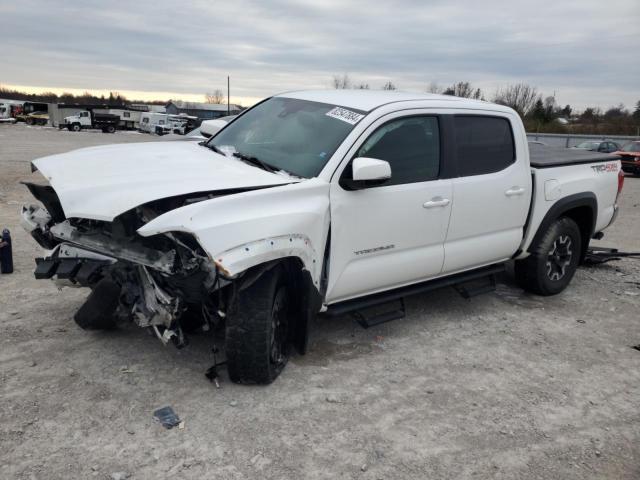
(344,115)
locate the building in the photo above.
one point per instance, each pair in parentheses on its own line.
(204,111)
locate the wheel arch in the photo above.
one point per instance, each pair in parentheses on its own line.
(582,208)
(307,297)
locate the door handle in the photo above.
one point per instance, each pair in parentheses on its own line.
(436,202)
(514,191)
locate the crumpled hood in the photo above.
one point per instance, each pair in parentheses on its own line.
(100,183)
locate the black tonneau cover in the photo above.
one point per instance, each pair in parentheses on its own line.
(543,156)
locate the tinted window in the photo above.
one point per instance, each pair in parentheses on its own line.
(483,144)
(410,145)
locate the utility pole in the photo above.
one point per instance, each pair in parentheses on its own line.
(228,101)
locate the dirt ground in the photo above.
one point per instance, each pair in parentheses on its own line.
(503,386)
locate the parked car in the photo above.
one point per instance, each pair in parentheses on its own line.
(605,146)
(37,118)
(314,202)
(206,129)
(630,155)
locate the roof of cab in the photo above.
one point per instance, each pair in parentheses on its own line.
(367,100)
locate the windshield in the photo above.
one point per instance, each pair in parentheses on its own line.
(288,134)
(632,147)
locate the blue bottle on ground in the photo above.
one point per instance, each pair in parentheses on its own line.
(6,255)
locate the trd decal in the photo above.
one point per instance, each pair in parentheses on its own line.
(609,167)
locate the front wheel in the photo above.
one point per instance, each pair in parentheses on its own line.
(257,333)
(76,127)
(553,261)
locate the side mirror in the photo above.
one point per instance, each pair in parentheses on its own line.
(209,128)
(364,169)
(367,172)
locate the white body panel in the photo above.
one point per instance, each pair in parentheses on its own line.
(562,182)
(489,211)
(103,182)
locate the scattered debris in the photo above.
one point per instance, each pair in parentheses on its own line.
(126,369)
(332,399)
(581,321)
(233,403)
(636,347)
(167,417)
(364,467)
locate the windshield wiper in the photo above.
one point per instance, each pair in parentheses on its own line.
(255,161)
(212,147)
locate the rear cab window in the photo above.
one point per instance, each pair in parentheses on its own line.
(483,144)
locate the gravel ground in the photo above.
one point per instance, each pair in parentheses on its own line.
(502,386)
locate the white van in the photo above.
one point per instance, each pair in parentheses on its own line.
(162,123)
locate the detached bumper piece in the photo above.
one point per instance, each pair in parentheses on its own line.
(79,270)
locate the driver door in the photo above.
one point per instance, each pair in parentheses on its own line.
(393,234)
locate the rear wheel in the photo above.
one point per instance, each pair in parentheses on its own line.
(553,261)
(258,332)
(29,121)
(110,129)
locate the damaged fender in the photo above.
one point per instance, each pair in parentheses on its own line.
(290,221)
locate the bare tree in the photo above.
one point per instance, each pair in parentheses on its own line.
(389,86)
(216,97)
(464,90)
(362,86)
(521,97)
(341,82)
(433,87)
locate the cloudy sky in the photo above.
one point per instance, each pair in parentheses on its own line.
(585,51)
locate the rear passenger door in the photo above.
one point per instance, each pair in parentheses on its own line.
(491,192)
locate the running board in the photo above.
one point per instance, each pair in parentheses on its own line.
(349,306)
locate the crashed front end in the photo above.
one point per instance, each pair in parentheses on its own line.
(164,282)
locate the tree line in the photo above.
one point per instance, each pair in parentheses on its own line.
(539,113)
(115,99)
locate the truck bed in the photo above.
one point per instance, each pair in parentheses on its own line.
(542,156)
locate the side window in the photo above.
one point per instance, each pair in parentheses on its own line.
(483,144)
(145,120)
(126,114)
(161,122)
(411,145)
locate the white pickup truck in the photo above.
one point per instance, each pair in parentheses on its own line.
(313,201)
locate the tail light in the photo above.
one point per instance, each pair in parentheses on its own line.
(620,183)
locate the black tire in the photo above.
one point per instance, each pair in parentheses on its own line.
(29,121)
(98,311)
(76,127)
(111,129)
(553,261)
(258,332)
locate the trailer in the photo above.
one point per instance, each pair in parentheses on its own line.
(28,108)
